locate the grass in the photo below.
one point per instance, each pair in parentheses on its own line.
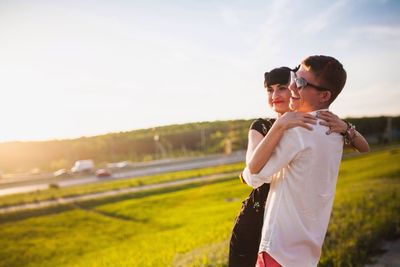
(366,209)
(191,225)
(136,231)
(54,192)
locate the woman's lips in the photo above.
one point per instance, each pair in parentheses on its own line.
(277,102)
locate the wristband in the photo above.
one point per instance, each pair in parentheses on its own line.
(348,127)
(350,133)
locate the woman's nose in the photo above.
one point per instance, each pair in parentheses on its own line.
(275,94)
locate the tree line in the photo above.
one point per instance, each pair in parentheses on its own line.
(180,140)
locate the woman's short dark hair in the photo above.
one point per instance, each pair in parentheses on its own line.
(277,76)
(329,72)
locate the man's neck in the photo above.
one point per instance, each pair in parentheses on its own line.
(314,108)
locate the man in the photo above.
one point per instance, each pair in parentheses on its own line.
(302,170)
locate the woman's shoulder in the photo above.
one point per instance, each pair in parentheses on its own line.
(262,125)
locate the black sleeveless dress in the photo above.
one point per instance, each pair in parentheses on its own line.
(246,233)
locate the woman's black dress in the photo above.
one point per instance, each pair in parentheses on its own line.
(246,233)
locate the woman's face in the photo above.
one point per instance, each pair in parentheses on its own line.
(279,97)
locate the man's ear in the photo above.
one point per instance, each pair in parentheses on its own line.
(325,96)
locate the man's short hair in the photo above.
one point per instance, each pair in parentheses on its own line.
(329,73)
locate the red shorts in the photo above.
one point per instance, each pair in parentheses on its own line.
(265,260)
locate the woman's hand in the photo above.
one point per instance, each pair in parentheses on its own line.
(332,121)
(337,125)
(294,119)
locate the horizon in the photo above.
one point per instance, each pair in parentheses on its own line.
(81,69)
(161,126)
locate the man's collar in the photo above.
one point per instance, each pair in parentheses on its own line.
(314,113)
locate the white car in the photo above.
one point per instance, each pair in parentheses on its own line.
(62,173)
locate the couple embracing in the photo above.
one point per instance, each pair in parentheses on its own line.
(293,163)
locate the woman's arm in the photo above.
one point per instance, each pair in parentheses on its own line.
(259,154)
(335,124)
(359,143)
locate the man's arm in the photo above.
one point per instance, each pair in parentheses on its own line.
(254,139)
(263,151)
(285,151)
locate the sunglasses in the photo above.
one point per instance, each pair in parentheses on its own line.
(302,83)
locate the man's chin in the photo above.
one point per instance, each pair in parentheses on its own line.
(294,103)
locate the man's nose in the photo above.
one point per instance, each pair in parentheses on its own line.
(292,87)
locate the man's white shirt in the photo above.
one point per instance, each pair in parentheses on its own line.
(303,171)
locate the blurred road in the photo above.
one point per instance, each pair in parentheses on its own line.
(26,184)
(114,192)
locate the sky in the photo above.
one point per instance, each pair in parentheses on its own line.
(82,68)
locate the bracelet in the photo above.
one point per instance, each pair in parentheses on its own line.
(348,127)
(350,133)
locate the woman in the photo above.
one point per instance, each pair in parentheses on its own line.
(263,138)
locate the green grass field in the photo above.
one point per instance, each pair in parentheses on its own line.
(190,226)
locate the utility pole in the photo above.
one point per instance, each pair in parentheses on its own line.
(387,135)
(159,148)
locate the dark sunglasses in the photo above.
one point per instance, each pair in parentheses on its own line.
(302,83)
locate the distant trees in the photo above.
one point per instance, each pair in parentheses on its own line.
(147,144)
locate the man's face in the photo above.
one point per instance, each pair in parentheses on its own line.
(304,99)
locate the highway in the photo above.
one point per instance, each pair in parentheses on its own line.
(14,186)
(110,193)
